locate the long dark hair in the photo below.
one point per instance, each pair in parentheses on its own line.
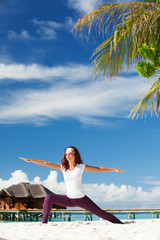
(78,159)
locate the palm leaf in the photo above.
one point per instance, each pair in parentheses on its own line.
(151,99)
(133,23)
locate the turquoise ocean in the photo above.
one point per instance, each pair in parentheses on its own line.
(80,217)
(121,216)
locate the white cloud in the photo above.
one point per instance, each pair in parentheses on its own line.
(84,6)
(16,177)
(151,180)
(21,72)
(106,195)
(86,102)
(54,25)
(24,35)
(51,183)
(47,33)
(71,72)
(19,176)
(47,29)
(73,97)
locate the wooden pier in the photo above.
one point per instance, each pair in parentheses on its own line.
(67,214)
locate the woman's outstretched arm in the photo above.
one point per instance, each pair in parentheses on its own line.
(43,162)
(101,169)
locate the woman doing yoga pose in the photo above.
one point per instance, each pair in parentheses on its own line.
(72,168)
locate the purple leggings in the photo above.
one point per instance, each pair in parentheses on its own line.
(83,202)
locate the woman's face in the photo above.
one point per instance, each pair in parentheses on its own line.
(70,156)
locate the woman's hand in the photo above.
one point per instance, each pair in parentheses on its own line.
(25,159)
(118,170)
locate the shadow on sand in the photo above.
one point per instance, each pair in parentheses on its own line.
(129,222)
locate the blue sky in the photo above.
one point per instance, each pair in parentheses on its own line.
(49,100)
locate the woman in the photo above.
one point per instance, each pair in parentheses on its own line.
(72,168)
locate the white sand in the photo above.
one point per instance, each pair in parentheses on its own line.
(98,230)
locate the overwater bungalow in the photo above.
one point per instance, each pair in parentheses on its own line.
(24,196)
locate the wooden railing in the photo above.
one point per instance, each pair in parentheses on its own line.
(66,214)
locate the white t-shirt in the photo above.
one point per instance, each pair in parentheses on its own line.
(73,181)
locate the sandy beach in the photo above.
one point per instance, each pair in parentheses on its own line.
(96,230)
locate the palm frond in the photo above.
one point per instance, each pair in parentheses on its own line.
(110,14)
(132,23)
(151,99)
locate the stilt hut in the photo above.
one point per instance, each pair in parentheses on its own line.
(24,196)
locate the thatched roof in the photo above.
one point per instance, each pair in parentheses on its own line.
(26,190)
